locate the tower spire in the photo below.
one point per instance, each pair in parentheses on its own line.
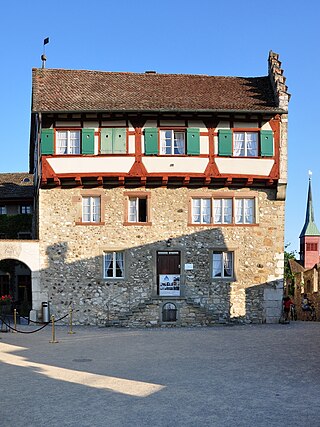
(309,228)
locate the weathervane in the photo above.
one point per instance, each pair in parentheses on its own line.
(43,56)
(310,174)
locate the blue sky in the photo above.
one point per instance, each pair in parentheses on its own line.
(230,38)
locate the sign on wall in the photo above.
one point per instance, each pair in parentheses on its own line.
(169,284)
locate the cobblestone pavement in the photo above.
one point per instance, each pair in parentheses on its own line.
(259,375)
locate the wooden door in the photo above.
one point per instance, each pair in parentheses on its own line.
(168,273)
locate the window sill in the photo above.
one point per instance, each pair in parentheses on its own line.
(138,223)
(222,225)
(90,223)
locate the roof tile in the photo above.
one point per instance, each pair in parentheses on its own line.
(58,90)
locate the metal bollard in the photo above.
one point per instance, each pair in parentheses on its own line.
(70,322)
(53,340)
(15,319)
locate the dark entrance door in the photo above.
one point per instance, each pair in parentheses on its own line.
(24,294)
(168,273)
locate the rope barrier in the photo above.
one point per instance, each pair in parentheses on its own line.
(31,332)
(31,321)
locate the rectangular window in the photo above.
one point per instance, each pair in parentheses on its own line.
(172,142)
(245,144)
(312,247)
(138,209)
(222,264)
(201,211)
(244,211)
(229,210)
(3,210)
(67,142)
(222,211)
(113,265)
(91,209)
(25,209)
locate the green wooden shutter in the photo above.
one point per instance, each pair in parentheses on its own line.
(193,141)
(106,141)
(47,141)
(87,141)
(119,140)
(266,143)
(151,141)
(225,142)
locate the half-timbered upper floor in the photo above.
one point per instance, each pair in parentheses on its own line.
(102,128)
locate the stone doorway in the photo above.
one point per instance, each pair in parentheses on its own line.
(168,273)
(15,280)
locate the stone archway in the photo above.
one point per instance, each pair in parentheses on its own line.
(15,281)
(27,253)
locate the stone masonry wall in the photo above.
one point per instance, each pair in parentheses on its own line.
(71,259)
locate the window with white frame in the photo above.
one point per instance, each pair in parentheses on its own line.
(91,211)
(113,265)
(244,211)
(245,144)
(3,210)
(222,211)
(138,209)
(25,209)
(172,142)
(222,264)
(231,210)
(68,142)
(201,211)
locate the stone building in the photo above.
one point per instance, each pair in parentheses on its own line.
(16,239)
(160,197)
(306,270)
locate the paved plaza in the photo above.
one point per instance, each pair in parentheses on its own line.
(257,375)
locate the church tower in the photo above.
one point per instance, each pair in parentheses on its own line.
(309,236)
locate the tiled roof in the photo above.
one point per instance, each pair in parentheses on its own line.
(16,186)
(295,266)
(58,90)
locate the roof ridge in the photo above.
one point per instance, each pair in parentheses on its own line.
(145,73)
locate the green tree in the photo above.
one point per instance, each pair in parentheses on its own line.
(288,276)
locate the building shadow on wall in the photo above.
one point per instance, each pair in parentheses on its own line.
(194,288)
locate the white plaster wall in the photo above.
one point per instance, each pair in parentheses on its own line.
(27,252)
(80,165)
(204,144)
(175,164)
(131,144)
(266,126)
(24,251)
(244,166)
